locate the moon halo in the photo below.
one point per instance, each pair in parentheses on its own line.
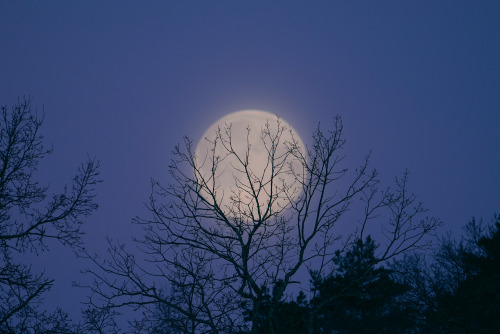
(244,164)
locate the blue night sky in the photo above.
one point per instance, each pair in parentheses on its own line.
(416,82)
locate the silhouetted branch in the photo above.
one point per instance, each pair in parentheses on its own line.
(215,250)
(29,217)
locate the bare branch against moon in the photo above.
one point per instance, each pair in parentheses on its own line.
(249,162)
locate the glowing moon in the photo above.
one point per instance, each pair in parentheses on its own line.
(257,172)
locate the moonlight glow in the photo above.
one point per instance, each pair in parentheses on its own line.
(246,159)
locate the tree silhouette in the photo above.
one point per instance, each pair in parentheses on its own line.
(30,218)
(208,264)
(471,304)
(455,289)
(359,296)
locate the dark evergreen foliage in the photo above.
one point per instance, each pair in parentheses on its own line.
(360,296)
(456,290)
(473,304)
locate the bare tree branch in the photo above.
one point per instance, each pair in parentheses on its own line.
(29,217)
(214,252)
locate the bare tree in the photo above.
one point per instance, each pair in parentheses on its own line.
(211,255)
(30,218)
(98,321)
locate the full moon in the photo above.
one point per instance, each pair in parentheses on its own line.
(250,164)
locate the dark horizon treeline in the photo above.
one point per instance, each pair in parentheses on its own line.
(454,289)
